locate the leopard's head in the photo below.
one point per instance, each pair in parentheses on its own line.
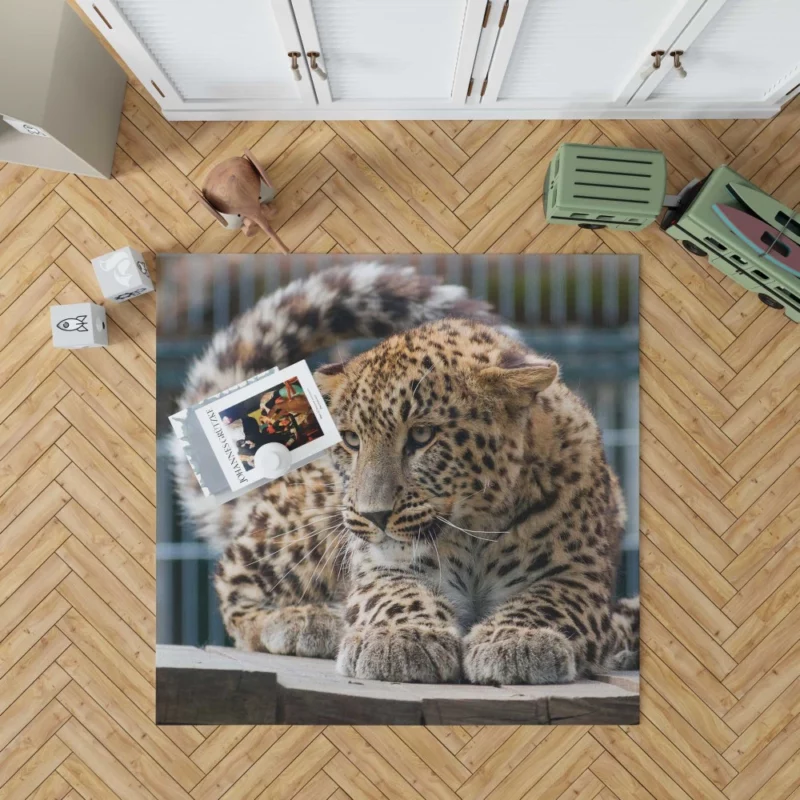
(433,423)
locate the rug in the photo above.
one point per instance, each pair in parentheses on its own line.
(579,312)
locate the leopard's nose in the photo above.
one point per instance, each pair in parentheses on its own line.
(378,518)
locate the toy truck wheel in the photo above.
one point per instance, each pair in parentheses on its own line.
(769,301)
(693,248)
(592,226)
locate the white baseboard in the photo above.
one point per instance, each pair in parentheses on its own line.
(694,111)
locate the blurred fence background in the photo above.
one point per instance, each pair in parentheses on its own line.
(581,310)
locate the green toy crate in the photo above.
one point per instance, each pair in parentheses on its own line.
(605,187)
(698,228)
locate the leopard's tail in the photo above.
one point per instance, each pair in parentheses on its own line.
(363,300)
(625,630)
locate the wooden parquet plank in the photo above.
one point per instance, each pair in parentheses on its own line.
(162,171)
(305,766)
(36,770)
(112,627)
(682,734)
(408,763)
(159,131)
(37,695)
(39,583)
(99,724)
(288,146)
(105,771)
(236,763)
(684,592)
(434,754)
(121,709)
(30,230)
(502,762)
(422,218)
(31,629)
(12,176)
(720,506)
(437,143)
(31,738)
(700,710)
(682,555)
(426,168)
(352,782)
(30,540)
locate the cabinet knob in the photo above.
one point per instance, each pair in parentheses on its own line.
(676,60)
(657,55)
(315,68)
(294,55)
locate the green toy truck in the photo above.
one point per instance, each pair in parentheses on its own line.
(605,187)
(701,231)
(610,187)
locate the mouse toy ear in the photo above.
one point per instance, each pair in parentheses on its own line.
(213,211)
(258,168)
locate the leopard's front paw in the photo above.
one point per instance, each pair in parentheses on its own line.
(403,655)
(312,631)
(518,655)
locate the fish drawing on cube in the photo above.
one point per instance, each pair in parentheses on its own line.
(78,325)
(122,274)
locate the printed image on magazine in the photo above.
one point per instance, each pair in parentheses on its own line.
(285,407)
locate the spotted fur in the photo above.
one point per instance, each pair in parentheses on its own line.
(467,527)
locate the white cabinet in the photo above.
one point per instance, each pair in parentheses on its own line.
(733,51)
(339,59)
(389,53)
(570,52)
(203,55)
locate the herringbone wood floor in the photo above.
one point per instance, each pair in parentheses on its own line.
(720,405)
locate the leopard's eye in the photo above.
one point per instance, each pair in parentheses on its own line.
(350,438)
(420,435)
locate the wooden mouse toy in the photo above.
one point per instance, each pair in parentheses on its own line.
(237,192)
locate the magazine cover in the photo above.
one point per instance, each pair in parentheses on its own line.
(282,407)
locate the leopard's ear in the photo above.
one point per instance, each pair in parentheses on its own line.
(517,372)
(329,377)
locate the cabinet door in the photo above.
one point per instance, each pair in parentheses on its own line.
(391,53)
(560,53)
(203,55)
(735,50)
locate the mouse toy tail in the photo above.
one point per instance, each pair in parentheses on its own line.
(265,225)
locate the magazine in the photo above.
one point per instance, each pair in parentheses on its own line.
(280,406)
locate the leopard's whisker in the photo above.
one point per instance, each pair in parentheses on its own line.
(295,566)
(471,532)
(322,563)
(419,382)
(438,558)
(315,519)
(294,542)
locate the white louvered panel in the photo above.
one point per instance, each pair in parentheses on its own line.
(389,49)
(583,49)
(748,47)
(213,50)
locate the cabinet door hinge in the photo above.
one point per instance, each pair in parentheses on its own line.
(469,88)
(503,15)
(487,12)
(483,88)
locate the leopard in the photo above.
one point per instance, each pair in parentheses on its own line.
(467,526)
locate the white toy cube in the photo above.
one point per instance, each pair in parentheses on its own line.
(122,274)
(78,325)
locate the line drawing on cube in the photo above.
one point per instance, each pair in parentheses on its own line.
(78,325)
(122,274)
